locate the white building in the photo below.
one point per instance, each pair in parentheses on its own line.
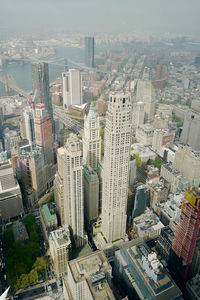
(137,114)
(116,166)
(144,134)
(58,184)
(147,225)
(91,139)
(88,278)
(73,188)
(187,162)
(60,247)
(29,124)
(161,138)
(146,93)
(72,88)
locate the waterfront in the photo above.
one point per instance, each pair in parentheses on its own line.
(21,72)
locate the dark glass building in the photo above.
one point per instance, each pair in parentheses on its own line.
(89,52)
(40,84)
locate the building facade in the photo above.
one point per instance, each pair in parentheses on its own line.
(91,194)
(60,249)
(72,88)
(89,52)
(73,188)
(40,83)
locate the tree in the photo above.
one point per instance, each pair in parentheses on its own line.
(40,264)
(139,162)
(33,276)
(157,163)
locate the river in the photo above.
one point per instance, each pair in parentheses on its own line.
(22,72)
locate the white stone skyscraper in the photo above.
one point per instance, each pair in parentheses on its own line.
(91,139)
(72,88)
(28,117)
(73,188)
(116,166)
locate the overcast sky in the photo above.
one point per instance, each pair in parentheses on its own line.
(174,16)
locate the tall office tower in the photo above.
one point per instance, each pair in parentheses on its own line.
(73,188)
(187,230)
(140,201)
(72,88)
(146,93)
(191,127)
(60,249)
(40,84)
(43,133)
(58,184)
(29,124)
(10,194)
(91,194)
(89,52)
(116,166)
(137,114)
(91,139)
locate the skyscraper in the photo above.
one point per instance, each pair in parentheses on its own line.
(89,52)
(40,84)
(59,186)
(146,93)
(187,230)
(29,124)
(72,88)
(91,139)
(73,188)
(116,166)
(43,133)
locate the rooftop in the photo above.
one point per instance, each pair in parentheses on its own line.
(92,268)
(145,268)
(60,237)
(48,213)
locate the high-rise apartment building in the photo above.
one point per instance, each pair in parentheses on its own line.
(43,132)
(187,230)
(40,84)
(29,124)
(60,248)
(72,88)
(116,166)
(89,52)
(91,139)
(58,184)
(73,188)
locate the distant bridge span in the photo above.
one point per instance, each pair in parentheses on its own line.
(10,84)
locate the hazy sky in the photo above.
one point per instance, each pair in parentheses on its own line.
(175,16)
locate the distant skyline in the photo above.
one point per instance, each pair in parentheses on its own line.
(159,16)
